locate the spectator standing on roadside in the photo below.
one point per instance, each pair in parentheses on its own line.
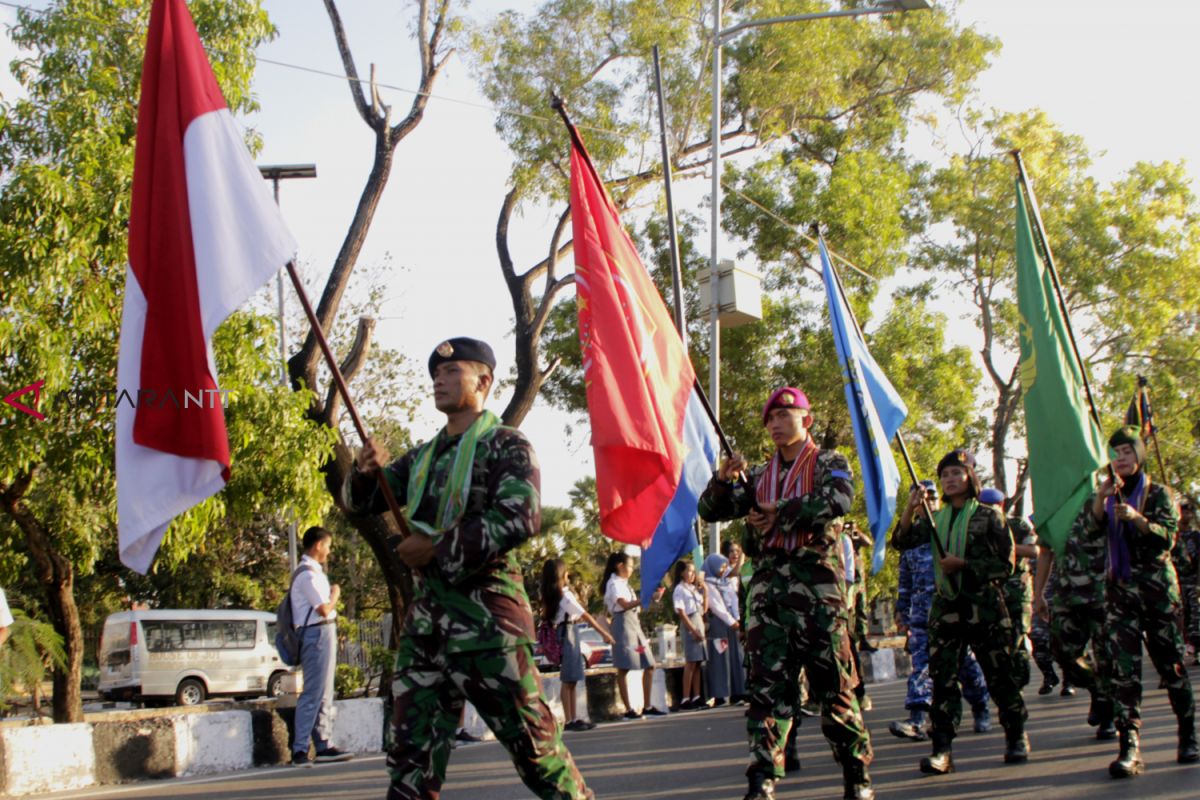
(631,650)
(689,605)
(726,674)
(562,608)
(314,606)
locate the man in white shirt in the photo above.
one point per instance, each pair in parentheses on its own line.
(314,610)
(6,618)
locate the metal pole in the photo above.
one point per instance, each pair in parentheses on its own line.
(293,549)
(676,270)
(714,349)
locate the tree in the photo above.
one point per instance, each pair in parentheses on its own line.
(432,22)
(817,88)
(67,156)
(1113,246)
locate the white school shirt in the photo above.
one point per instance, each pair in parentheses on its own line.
(688,599)
(569,608)
(6,617)
(310,590)
(716,604)
(617,588)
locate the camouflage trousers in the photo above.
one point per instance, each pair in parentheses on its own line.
(1072,626)
(1043,656)
(1191,608)
(1151,613)
(984,627)
(1020,614)
(920,684)
(429,687)
(798,620)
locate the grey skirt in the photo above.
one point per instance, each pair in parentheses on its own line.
(571,669)
(726,673)
(630,650)
(694,649)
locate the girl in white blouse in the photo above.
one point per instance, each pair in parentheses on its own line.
(689,603)
(563,609)
(630,650)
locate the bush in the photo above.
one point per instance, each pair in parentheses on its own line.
(348,680)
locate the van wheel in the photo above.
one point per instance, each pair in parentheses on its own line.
(275,684)
(190,692)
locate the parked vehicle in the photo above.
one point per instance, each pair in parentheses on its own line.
(186,656)
(596,651)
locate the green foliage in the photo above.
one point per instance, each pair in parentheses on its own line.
(348,680)
(32,649)
(1128,254)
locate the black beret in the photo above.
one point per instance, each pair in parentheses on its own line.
(462,348)
(1132,436)
(957,458)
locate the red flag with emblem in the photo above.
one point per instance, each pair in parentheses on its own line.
(637,375)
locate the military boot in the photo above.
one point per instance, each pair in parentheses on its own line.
(940,761)
(761,787)
(1184,706)
(1129,762)
(857,781)
(1016,747)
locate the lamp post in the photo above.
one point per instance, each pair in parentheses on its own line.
(276,173)
(720,36)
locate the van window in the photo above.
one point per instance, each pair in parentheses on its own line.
(167,636)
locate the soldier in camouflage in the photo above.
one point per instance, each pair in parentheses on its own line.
(1189,579)
(471,496)
(1018,589)
(968,607)
(918,585)
(1135,523)
(1039,633)
(1074,609)
(797,596)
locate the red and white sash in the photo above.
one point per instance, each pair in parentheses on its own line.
(796,483)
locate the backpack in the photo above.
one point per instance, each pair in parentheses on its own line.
(549,642)
(287,635)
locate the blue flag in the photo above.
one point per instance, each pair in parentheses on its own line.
(675,536)
(876,412)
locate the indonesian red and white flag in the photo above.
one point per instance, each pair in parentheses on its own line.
(204,235)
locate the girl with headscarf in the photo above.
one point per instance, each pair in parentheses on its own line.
(726,675)
(973,556)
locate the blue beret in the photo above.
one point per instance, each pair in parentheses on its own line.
(991,497)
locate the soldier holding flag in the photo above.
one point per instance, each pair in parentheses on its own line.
(1134,520)
(797,597)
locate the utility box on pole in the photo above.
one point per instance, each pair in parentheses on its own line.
(740,294)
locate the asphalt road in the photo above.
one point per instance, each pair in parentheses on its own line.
(702,756)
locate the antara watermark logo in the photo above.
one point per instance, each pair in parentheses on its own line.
(139,398)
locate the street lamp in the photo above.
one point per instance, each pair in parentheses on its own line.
(276,173)
(720,36)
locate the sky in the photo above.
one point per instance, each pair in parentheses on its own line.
(1118,74)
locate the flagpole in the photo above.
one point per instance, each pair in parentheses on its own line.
(1040,233)
(336,372)
(1144,402)
(676,272)
(912,471)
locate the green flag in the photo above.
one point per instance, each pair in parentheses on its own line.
(1065,448)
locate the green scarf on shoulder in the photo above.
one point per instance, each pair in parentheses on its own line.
(954,540)
(453,501)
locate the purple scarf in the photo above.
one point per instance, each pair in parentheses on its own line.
(1119,562)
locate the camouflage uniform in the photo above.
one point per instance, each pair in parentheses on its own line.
(468,632)
(798,617)
(1186,556)
(917,588)
(1077,617)
(1039,633)
(1018,593)
(1143,607)
(976,618)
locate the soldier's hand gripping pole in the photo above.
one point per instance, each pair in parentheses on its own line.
(742,479)
(336,371)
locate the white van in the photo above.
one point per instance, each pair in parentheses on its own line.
(189,655)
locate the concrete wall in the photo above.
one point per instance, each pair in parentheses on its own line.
(47,758)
